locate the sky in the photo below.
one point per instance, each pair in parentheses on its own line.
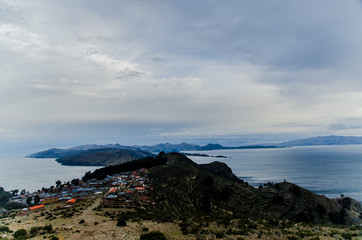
(145,72)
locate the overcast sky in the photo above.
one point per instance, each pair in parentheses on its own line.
(143,72)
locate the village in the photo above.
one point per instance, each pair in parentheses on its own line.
(120,190)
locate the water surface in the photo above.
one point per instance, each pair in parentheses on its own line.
(328,170)
(33,174)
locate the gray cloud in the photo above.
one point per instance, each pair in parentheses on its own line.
(205,68)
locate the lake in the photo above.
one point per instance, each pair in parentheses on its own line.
(34,173)
(328,170)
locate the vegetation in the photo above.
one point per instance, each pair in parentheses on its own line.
(21,234)
(153,236)
(121,221)
(4,200)
(4,229)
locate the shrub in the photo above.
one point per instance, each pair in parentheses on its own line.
(20,234)
(153,236)
(33,231)
(219,234)
(121,222)
(347,235)
(54,238)
(81,221)
(4,229)
(48,228)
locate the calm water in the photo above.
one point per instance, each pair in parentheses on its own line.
(33,174)
(328,170)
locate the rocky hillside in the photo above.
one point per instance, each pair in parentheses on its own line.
(186,189)
(103,157)
(183,187)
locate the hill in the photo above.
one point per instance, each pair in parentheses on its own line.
(184,188)
(102,157)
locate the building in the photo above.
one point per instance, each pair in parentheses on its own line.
(37,208)
(71,201)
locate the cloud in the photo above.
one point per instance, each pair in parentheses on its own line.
(185,68)
(3,130)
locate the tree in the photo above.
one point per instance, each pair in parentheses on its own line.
(58,182)
(20,234)
(36,199)
(14,192)
(75,182)
(28,200)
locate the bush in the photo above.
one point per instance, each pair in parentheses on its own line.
(48,228)
(33,231)
(20,234)
(81,221)
(347,235)
(121,223)
(54,238)
(4,229)
(219,234)
(153,236)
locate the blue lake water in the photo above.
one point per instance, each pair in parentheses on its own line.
(328,170)
(33,174)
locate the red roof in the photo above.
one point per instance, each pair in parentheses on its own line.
(71,200)
(37,207)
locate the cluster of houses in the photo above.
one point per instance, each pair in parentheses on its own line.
(121,190)
(127,189)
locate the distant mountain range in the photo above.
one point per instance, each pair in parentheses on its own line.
(322,140)
(109,154)
(165,147)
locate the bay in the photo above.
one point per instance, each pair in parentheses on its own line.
(327,170)
(34,173)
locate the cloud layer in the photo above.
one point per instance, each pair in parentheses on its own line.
(134,71)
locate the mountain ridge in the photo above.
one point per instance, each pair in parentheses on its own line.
(168,147)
